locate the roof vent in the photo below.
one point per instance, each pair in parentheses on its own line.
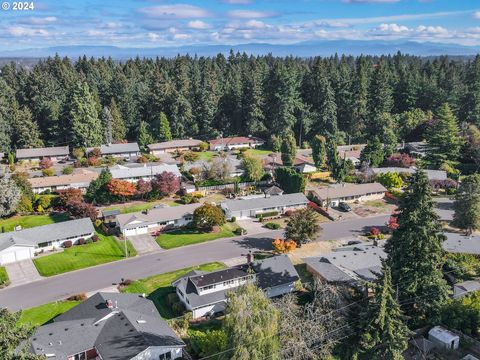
(141,321)
(109,304)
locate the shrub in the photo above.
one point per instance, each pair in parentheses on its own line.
(126,282)
(88,241)
(172,298)
(24,205)
(374,231)
(44,201)
(266,214)
(95,238)
(48,172)
(233,219)
(207,343)
(390,180)
(178,308)
(46,163)
(142,159)
(186,199)
(67,170)
(400,160)
(67,244)
(240,231)
(77,297)
(289,213)
(94,161)
(272,226)
(203,146)
(284,246)
(81,241)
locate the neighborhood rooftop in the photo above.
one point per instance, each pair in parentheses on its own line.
(431,174)
(459,243)
(42,152)
(182,143)
(117,148)
(124,172)
(84,177)
(235,140)
(266,202)
(347,190)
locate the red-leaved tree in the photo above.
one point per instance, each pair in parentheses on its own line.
(81,209)
(400,160)
(166,183)
(393,223)
(69,195)
(121,188)
(143,188)
(46,163)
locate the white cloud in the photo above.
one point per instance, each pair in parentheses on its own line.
(431,30)
(255,24)
(152,36)
(176,11)
(95,33)
(198,24)
(250,14)
(24,31)
(38,20)
(392,28)
(181,36)
(476,15)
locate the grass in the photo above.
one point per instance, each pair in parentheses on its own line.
(140,207)
(376,203)
(207,155)
(29,221)
(42,314)
(182,237)
(258,152)
(4,280)
(107,249)
(158,287)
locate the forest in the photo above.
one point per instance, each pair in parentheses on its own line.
(61,101)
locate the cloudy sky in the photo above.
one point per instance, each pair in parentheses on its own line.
(154,23)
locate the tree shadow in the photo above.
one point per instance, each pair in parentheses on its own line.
(253,243)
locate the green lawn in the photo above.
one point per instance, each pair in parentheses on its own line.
(29,221)
(184,237)
(105,250)
(258,152)
(157,287)
(42,314)
(140,207)
(206,155)
(4,280)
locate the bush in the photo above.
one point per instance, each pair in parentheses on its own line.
(172,298)
(283,246)
(88,241)
(289,213)
(266,214)
(186,199)
(178,308)
(67,170)
(48,172)
(78,297)
(240,231)
(233,219)
(272,226)
(207,343)
(142,159)
(95,238)
(81,241)
(67,244)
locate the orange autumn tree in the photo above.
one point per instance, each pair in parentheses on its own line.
(121,188)
(284,246)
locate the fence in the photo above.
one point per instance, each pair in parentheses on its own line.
(232,185)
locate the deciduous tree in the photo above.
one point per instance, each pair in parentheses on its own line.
(9,195)
(166,183)
(121,188)
(303,226)
(253,170)
(207,216)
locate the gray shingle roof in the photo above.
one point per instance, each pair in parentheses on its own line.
(431,174)
(275,271)
(42,152)
(262,202)
(120,333)
(124,172)
(464,288)
(46,233)
(173,144)
(459,243)
(346,190)
(111,149)
(273,190)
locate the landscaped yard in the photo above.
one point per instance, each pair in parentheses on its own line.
(107,249)
(140,206)
(182,237)
(42,314)
(29,221)
(3,277)
(157,287)
(206,155)
(258,152)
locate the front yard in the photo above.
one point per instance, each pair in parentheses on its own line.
(107,249)
(42,314)
(158,287)
(4,280)
(29,221)
(182,237)
(126,209)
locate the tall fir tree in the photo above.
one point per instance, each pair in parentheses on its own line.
(289,149)
(107,123)
(471,102)
(334,162)
(415,253)
(86,126)
(164,133)
(119,131)
(373,153)
(467,204)
(25,131)
(144,137)
(319,151)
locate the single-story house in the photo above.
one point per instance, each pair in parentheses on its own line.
(273,191)
(417,149)
(236,142)
(126,151)
(148,221)
(80,180)
(465,288)
(245,208)
(174,145)
(333,195)
(110,216)
(145,172)
(204,293)
(231,163)
(53,153)
(431,174)
(462,244)
(351,152)
(108,326)
(24,244)
(350,264)
(302,163)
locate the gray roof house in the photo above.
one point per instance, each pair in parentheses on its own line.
(23,244)
(431,174)
(205,293)
(125,150)
(108,326)
(145,172)
(332,195)
(350,264)
(244,208)
(465,288)
(174,145)
(54,153)
(460,243)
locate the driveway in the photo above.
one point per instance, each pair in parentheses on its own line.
(22,272)
(253,226)
(144,243)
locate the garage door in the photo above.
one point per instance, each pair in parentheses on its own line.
(7,258)
(22,254)
(137,231)
(14,255)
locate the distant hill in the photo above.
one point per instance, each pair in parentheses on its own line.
(303,49)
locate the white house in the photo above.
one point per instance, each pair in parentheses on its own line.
(108,326)
(126,151)
(53,153)
(246,208)
(174,145)
(236,142)
(145,172)
(304,164)
(79,180)
(333,195)
(205,293)
(155,219)
(24,244)
(443,338)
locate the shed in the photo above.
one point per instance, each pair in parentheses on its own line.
(443,338)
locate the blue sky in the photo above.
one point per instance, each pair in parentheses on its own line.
(155,23)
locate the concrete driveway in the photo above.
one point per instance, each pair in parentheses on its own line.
(144,243)
(253,226)
(22,272)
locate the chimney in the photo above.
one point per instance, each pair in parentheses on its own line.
(249,258)
(109,304)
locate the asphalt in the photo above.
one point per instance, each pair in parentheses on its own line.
(99,277)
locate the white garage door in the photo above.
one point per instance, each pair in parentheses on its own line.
(7,258)
(137,231)
(22,254)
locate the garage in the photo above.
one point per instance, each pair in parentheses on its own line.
(136,231)
(15,253)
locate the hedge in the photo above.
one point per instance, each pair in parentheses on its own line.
(272,226)
(266,214)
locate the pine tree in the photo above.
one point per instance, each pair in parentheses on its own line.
(372,154)
(380,100)
(319,151)
(467,204)
(97,192)
(415,253)
(144,137)
(471,102)
(334,162)
(383,333)
(86,126)
(443,138)
(164,133)
(119,132)
(289,149)
(25,131)
(107,123)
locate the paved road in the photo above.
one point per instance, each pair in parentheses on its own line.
(99,277)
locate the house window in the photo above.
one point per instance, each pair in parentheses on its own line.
(166,356)
(80,356)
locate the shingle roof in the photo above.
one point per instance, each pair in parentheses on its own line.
(465,287)
(42,152)
(273,190)
(124,172)
(263,202)
(346,190)
(431,174)
(120,333)
(236,140)
(46,233)
(110,149)
(83,178)
(459,243)
(173,144)
(112,212)
(275,271)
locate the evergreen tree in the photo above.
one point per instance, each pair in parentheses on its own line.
(380,100)
(289,149)
(107,123)
(251,325)
(97,192)
(86,126)
(319,151)
(253,101)
(383,333)
(373,154)
(290,180)
(467,204)
(119,131)
(164,133)
(471,101)
(443,138)
(25,131)
(415,253)
(335,164)
(144,137)
(253,168)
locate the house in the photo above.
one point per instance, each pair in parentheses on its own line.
(351,152)
(431,174)
(232,165)
(465,288)
(79,180)
(127,151)
(108,326)
(462,244)
(174,145)
(110,216)
(156,219)
(443,338)
(302,163)
(24,244)
(204,293)
(236,142)
(333,195)
(272,191)
(53,153)
(136,172)
(254,207)
(417,149)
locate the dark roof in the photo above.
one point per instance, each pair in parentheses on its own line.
(263,202)
(41,152)
(219,276)
(173,144)
(273,190)
(112,212)
(459,243)
(275,271)
(121,148)
(120,333)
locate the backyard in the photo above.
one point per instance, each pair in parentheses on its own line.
(258,153)
(42,314)
(29,221)
(126,208)
(157,287)
(105,250)
(182,237)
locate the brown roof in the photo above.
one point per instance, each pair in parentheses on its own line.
(84,176)
(236,140)
(41,152)
(175,144)
(275,159)
(348,190)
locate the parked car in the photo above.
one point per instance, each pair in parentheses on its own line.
(344,207)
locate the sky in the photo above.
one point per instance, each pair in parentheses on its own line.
(156,23)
